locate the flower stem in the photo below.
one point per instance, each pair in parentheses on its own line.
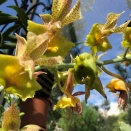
(71,65)
(111,73)
(106,62)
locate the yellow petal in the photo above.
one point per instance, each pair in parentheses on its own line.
(17,81)
(111,20)
(59,46)
(116,85)
(66,102)
(73,15)
(60,9)
(36,45)
(20,46)
(36,28)
(96,40)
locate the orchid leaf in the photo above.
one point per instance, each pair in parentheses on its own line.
(2,1)
(73,15)
(6,18)
(58,46)
(11,119)
(21,14)
(1,38)
(10,30)
(36,28)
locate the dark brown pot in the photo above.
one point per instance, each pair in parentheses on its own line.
(36,111)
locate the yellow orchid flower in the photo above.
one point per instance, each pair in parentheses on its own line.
(61,11)
(66,102)
(15,79)
(116,85)
(97,38)
(61,16)
(120,86)
(69,100)
(30,52)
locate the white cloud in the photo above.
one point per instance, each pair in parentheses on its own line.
(114,110)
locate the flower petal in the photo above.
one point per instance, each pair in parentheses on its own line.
(66,102)
(17,81)
(59,46)
(96,40)
(116,85)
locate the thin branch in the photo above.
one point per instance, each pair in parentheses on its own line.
(126,51)
(111,73)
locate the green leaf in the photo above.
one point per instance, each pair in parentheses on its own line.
(5,18)
(1,38)
(6,45)
(10,30)
(21,14)
(2,1)
(124,126)
(11,38)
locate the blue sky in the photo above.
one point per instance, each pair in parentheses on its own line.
(97,14)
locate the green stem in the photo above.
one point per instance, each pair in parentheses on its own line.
(111,73)
(58,82)
(125,53)
(71,65)
(106,62)
(58,66)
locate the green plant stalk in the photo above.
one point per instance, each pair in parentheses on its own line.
(116,60)
(71,65)
(111,73)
